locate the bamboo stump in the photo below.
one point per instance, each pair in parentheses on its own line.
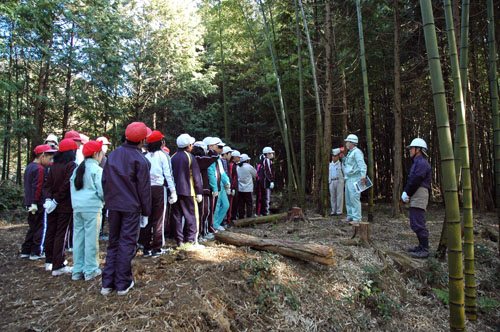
(297,213)
(362,229)
(305,251)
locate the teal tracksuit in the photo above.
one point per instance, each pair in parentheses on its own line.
(223,201)
(354,168)
(87,207)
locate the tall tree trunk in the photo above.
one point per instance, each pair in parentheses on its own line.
(455,266)
(302,190)
(327,138)
(68,81)
(398,122)
(282,106)
(463,152)
(494,104)
(8,115)
(368,120)
(345,117)
(223,72)
(321,170)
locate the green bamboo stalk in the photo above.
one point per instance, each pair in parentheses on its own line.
(455,266)
(463,152)
(282,106)
(494,103)
(464,48)
(223,70)
(368,120)
(319,121)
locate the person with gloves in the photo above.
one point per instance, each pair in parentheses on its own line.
(189,186)
(35,176)
(416,193)
(58,207)
(354,169)
(87,200)
(246,177)
(265,182)
(152,236)
(336,184)
(127,192)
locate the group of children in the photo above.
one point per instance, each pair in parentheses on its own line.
(149,196)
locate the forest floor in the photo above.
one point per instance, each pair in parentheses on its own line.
(228,288)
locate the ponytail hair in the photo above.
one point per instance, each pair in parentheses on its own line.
(80,171)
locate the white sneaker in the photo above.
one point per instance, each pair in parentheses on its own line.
(106,291)
(125,291)
(210,237)
(35,257)
(62,270)
(24,256)
(221,228)
(48,266)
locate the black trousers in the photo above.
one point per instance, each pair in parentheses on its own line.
(33,241)
(245,200)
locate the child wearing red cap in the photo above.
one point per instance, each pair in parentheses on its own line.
(34,179)
(127,192)
(87,200)
(58,207)
(75,136)
(152,236)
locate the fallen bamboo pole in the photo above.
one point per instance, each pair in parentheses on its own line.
(258,220)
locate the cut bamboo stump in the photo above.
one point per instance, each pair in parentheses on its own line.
(362,229)
(305,251)
(296,213)
(258,220)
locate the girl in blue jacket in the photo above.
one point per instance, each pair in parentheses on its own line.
(87,199)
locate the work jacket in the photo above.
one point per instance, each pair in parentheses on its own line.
(353,165)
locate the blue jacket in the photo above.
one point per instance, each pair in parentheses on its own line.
(34,178)
(90,197)
(187,175)
(126,181)
(353,165)
(420,175)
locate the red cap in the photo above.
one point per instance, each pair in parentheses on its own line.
(167,150)
(91,147)
(136,132)
(44,148)
(155,136)
(73,135)
(67,144)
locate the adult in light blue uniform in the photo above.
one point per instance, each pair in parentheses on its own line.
(354,168)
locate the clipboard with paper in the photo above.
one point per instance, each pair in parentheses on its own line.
(360,187)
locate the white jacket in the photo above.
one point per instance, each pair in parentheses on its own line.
(246,176)
(160,170)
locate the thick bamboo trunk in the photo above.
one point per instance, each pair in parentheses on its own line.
(258,220)
(305,251)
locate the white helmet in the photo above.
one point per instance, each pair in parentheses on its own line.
(267,149)
(52,138)
(352,138)
(418,143)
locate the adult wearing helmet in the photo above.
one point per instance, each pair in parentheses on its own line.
(354,169)
(416,193)
(52,141)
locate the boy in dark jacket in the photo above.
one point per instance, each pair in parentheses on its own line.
(127,193)
(35,175)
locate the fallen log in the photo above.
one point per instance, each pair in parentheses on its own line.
(306,251)
(258,220)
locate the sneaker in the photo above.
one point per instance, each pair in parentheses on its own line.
(146,253)
(24,256)
(202,239)
(106,290)
(210,237)
(125,291)
(70,249)
(61,271)
(35,257)
(48,266)
(422,253)
(414,249)
(77,276)
(346,220)
(221,228)
(93,274)
(156,254)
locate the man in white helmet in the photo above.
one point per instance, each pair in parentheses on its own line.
(52,141)
(354,169)
(416,193)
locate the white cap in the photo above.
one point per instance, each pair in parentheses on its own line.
(244,157)
(226,149)
(236,153)
(216,141)
(267,149)
(52,138)
(201,145)
(104,140)
(184,140)
(351,138)
(336,151)
(207,140)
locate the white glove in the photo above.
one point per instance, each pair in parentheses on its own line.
(50,205)
(228,191)
(199,198)
(271,185)
(144,221)
(173,198)
(33,208)
(233,192)
(227,185)
(404,197)
(215,193)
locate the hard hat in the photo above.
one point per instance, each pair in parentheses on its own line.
(226,149)
(52,138)
(336,151)
(267,149)
(352,138)
(418,143)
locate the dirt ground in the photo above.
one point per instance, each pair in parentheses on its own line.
(228,288)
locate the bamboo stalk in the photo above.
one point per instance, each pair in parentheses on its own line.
(455,266)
